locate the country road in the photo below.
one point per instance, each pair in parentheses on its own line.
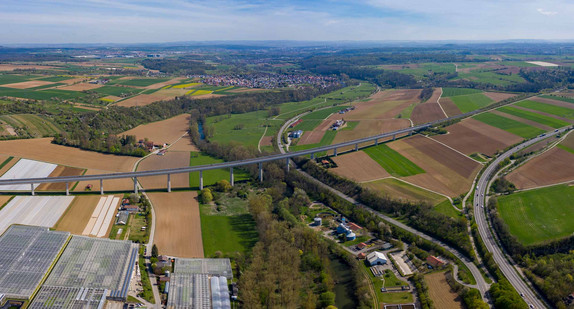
(508,269)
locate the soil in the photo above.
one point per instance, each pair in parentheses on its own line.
(160,132)
(124,184)
(554,166)
(78,214)
(368,128)
(359,167)
(141,100)
(441,293)
(499,96)
(169,82)
(427,112)
(81,87)
(266,141)
(169,160)
(449,107)
(28,84)
(8,165)
(315,136)
(61,171)
(178,225)
(12,67)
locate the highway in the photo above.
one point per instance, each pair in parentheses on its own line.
(481,198)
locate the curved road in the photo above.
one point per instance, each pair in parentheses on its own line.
(510,272)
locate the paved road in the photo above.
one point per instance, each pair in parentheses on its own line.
(507,268)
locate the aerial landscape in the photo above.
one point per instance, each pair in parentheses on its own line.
(253,154)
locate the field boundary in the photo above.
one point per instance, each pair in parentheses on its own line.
(481,163)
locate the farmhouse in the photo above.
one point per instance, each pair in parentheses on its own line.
(376,258)
(361,246)
(435,262)
(130,208)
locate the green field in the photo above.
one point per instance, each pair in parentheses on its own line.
(548,108)
(471,102)
(12,78)
(446,208)
(212,176)
(509,125)
(36,126)
(392,161)
(451,92)
(230,230)
(144,82)
(490,77)
(308,125)
(542,119)
(324,113)
(539,215)
(116,91)
(387,297)
(426,68)
(45,86)
(559,98)
(327,139)
(41,94)
(55,78)
(399,189)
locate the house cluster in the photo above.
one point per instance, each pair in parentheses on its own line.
(348,109)
(338,124)
(267,80)
(149,145)
(124,212)
(296,134)
(348,229)
(99,81)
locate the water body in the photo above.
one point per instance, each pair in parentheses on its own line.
(344,290)
(200,129)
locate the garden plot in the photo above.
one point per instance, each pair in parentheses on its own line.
(34,210)
(27,169)
(102,217)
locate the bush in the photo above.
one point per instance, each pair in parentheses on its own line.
(206,196)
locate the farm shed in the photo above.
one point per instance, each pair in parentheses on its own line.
(377,258)
(435,262)
(27,254)
(122,217)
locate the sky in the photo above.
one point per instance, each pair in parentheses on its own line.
(154,21)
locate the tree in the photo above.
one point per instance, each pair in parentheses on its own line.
(223,186)
(154,251)
(327,299)
(134,198)
(206,195)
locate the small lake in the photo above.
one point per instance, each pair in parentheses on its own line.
(344,293)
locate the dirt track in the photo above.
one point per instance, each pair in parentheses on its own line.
(554,166)
(178,225)
(358,166)
(470,136)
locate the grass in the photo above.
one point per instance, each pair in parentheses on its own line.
(324,113)
(41,94)
(399,189)
(446,208)
(55,78)
(136,222)
(407,112)
(563,147)
(426,68)
(115,91)
(547,108)
(392,281)
(327,139)
(46,86)
(350,125)
(386,297)
(471,102)
(559,98)
(486,76)
(542,119)
(308,124)
(451,92)
(392,161)
(212,176)
(509,125)
(144,82)
(36,126)
(6,161)
(539,215)
(478,157)
(13,78)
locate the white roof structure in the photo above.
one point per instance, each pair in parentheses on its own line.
(376,257)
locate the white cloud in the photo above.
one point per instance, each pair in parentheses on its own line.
(547,13)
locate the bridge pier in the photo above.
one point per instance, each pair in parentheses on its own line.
(335,152)
(101,187)
(32,189)
(312,156)
(287,166)
(168,182)
(200,180)
(231,180)
(260,172)
(394,136)
(356,147)
(411,133)
(135,185)
(376,141)
(67,188)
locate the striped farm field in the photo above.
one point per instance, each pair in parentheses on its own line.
(539,215)
(509,125)
(401,190)
(548,108)
(471,102)
(78,214)
(35,125)
(143,82)
(451,92)
(33,210)
(99,223)
(392,161)
(188,85)
(200,92)
(27,169)
(545,120)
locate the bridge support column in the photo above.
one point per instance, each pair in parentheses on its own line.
(67,188)
(312,156)
(287,164)
(376,141)
(356,147)
(231,179)
(394,136)
(32,189)
(200,180)
(335,152)
(101,186)
(411,133)
(168,182)
(135,185)
(260,172)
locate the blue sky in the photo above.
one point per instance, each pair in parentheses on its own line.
(135,21)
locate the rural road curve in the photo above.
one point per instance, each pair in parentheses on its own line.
(508,269)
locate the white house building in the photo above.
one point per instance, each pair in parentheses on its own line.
(376,258)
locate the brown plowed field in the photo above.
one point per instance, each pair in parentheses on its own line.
(4,199)
(81,87)
(525,121)
(382,105)
(470,136)
(169,82)
(568,141)
(28,84)
(359,167)
(427,112)
(315,136)
(440,292)
(266,141)
(543,113)
(498,96)
(61,171)
(554,166)
(447,171)
(184,144)
(368,128)
(178,225)
(169,160)
(449,107)
(42,149)
(8,165)
(390,187)
(435,96)
(141,100)
(78,214)
(165,131)
(125,184)
(12,67)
